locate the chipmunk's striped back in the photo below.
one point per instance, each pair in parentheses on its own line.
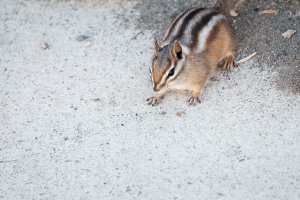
(192,28)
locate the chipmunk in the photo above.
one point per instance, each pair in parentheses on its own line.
(194,44)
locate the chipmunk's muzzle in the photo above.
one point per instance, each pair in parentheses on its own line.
(158,87)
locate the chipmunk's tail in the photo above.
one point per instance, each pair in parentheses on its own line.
(229,7)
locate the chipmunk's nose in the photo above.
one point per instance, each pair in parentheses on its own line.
(155,88)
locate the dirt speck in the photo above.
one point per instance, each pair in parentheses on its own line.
(180,114)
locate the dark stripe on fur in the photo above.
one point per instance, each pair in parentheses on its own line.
(164,70)
(186,21)
(174,23)
(200,25)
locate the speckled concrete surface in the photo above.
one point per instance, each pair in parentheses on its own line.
(75,124)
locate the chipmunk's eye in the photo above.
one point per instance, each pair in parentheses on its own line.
(171,72)
(150,71)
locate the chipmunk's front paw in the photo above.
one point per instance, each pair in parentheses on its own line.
(153,101)
(193,101)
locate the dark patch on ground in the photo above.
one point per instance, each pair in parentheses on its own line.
(260,33)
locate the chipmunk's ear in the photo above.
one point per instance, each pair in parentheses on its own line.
(177,50)
(156,47)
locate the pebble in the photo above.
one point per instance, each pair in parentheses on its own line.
(81,38)
(45,45)
(180,114)
(97,99)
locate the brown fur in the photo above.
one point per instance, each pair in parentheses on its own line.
(220,44)
(161,62)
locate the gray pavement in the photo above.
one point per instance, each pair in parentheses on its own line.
(74,123)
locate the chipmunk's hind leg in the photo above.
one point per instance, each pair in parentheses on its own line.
(228,62)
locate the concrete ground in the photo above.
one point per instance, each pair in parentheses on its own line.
(74,123)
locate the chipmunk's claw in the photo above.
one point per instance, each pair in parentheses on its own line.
(152,101)
(229,63)
(193,101)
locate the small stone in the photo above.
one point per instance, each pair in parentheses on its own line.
(288,33)
(66,138)
(233,13)
(81,38)
(180,114)
(128,189)
(163,113)
(45,45)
